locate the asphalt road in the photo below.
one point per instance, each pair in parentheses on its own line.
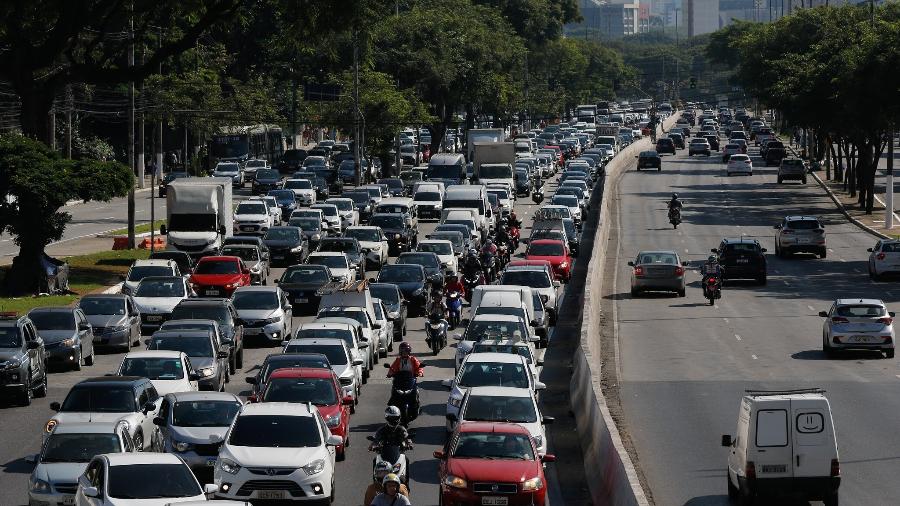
(684,365)
(21,427)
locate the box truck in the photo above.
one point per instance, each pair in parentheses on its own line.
(198,214)
(495,163)
(482,135)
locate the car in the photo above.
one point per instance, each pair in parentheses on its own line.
(219,276)
(657,271)
(742,258)
(401,235)
(207,358)
(538,275)
(316,386)
(344,360)
(114,318)
(230,170)
(350,247)
(456,239)
(285,200)
(800,234)
(65,455)
(331,217)
(677,139)
(739,164)
(274,209)
(665,145)
(713,141)
(156,297)
(372,242)
(791,168)
(741,143)
(649,160)
(221,311)
(193,425)
(861,324)
(287,245)
(291,160)
(431,262)
(491,326)
(292,439)
(554,251)
(338,264)
(265,312)
(505,404)
(492,463)
(774,153)
(301,283)
(168,178)
(412,282)
(67,335)
(884,258)
(265,181)
(444,250)
(181,258)
(395,305)
(251,258)
(571,202)
(129,399)
(510,348)
(353,325)
(140,269)
(383,326)
(113,479)
(168,370)
(253,166)
(276,361)
(24,358)
(362,203)
(303,190)
(348,214)
(252,217)
(254,240)
(699,146)
(311,228)
(730,149)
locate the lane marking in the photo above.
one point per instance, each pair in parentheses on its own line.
(726,320)
(811,308)
(754,357)
(830,250)
(842,259)
(737,336)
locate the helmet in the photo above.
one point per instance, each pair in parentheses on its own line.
(404,346)
(382,469)
(674,196)
(390,478)
(712,258)
(392,415)
(473,252)
(488,242)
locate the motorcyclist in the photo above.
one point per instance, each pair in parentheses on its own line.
(502,236)
(489,248)
(406,362)
(392,495)
(392,433)
(472,265)
(512,221)
(674,203)
(455,285)
(711,267)
(438,305)
(382,469)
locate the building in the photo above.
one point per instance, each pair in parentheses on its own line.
(702,16)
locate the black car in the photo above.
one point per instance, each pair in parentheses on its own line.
(23,355)
(292,160)
(223,312)
(168,178)
(677,139)
(334,184)
(400,235)
(523,183)
(286,200)
(265,181)
(277,361)
(742,258)
(395,303)
(301,283)
(250,239)
(429,261)
(362,202)
(665,145)
(412,282)
(395,186)
(287,245)
(181,258)
(713,142)
(67,335)
(649,160)
(349,246)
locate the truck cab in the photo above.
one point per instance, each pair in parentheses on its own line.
(198,214)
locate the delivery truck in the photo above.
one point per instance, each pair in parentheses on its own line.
(198,215)
(495,163)
(481,136)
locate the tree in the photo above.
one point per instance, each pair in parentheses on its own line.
(38,182)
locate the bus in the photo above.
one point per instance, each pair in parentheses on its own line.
(242,143)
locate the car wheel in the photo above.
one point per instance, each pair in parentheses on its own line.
(681,293)
(803,180)
(889,353)
(823,253)
(779,180)
(761,280)
(41,391)
(89,360)
(76,365)
(26,394)
(829,352)
(830,499)
(239,363)
(231,365)
(634,292)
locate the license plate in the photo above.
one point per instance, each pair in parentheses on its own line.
(301,301)
(774,468)
(248,331)
(154,318)
(743,260)
(211,462)
(271,494)
(212,292)
(863,339)
(68,500)
(278,257)
(494,500)
(803,240)
(247,228)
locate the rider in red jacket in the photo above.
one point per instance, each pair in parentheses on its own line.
(454,285)
(406,362)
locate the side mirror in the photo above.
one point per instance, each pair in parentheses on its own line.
(223,354)
(776,227)
(347,400)
(334,441)
(376,326)
(539,362)
(726,440)
(447,383)
(452,417)
(149,407)
(163,230)
(55,406)
(439,454)
(458,337)
(539,385)
(891,313)
(714,250)
(31,459)
(90,492)
(357,362)
(363,344)
(249,379)
(869,250)
(210,488)
(159,421)
(823,314)
(84,326)
(372,280)
(245,271)
(547,420)
(147,342)
(193,376)
(556,283)
(276,281)
(386,365)
(370,438)
(630,264)
(548,458)
(763,250)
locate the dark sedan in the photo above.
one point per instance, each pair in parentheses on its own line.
(401,237)
(412,282)
(649,160)
(300,283)
(265,181)
(713,141)
(286,245)
(429,261)
(395,303)
(286,200)
(362,202)
(395,186)
(665,145)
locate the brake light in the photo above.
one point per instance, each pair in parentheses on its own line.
(638,271)
(711,281)
(835,468)
(750,470)
(839,319)
(880,256)
(887,339)
(679,271)
(887,320)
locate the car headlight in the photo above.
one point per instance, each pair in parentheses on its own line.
(333,420)
(314,467)
(297,249)
(533,484)
(316,237)
(119,328)
(206,372)
(377,247)
(455,401)
(255,268)
(13,363)
(181,446)
(274,319)
(68,342)
(455,481)
(397,236)
(40,486)
(419,291)
(229,466)
(393,315)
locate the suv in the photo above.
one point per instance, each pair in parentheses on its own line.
(221,311)
(742,257)
(792,168)
(24,359)
(677,139)
(800,234)
(699,146)
(649,160)
(665,145)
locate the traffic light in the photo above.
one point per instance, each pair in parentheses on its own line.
(693,82)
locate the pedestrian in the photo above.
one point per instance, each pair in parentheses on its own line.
(153,169)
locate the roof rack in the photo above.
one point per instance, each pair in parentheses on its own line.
(343,286)
(762,393)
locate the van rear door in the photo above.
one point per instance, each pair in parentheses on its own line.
(771,439)
(814,445)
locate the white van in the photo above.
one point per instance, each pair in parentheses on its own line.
(784,445)
(471,197)
(523,295)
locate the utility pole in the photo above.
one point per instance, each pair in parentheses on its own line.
(140,145)
(69,121)
(52,127)
(889,184)
(397,162)
(159,125)
(357,150)
(131,134)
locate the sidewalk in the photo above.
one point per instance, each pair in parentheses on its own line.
(871,223)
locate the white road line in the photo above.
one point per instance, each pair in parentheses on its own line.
(754,357)
(842,259)
(726,320)
(737,336)
(830,250)
(811,308)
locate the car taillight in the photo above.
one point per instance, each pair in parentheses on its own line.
(887,320)
(638,271)
(819,230)
(679,271)
(835,468)
(839,319)
(787,231)
(750,470)
(880,256)
(886,339)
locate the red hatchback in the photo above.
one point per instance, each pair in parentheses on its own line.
(219,276)
(492,463)
(554,251)
(320,387)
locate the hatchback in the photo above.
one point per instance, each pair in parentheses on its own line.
(742,257)
(884,258)
(800,234)
(219,276)
(699,146)
(739,164)
(858,324)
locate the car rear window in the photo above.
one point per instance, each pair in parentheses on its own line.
(860,311)
(803,224)
(741,248)
(891,247)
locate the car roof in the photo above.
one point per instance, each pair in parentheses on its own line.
(800,218)
(206,301)
(153,354)
(159,262)
(505,358)
(111,380)
(86,428)
(738,240)
(220,258)
(257,288)
(332,341)
(105,296)
(135,458)
(854,302)
(276,408)
(301,372)
(204,396)
(176,333)
(492,391)
(328,254)
(53,309)
(327,324)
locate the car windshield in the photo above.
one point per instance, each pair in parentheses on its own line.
(534,279)
(427,197)
(552,213)
(339,245)
(53,320)
(305,275)
(336,354)
(283,234)
(423,259)
(318,391)
(387,221)
(489,171)
(202,312)
(483,374)
(305,224)
(267,174)
(387,293)
(523,351)
(341,204)
(251,208)
(364,234)
(218,267)
(298,184)
(192,346)
(105,399)
(275,431)
(78,447)
(227,168)
(102,305)
(860,311)
(803,224)
(330,261)
(498,330)
(169,287)
(204,413)
(493,445)
(400,273)
(359,198)
(392,183)
(491,408)
(438,248)
(657,258)
(545,249)
(327,210)
(249,254)
(565,200)
(282,196)
(153,368)
(169,480)
(139,272)
(392,209)
(255,299)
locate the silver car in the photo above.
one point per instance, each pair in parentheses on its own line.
(265,311)
(660,271)
(800,234)
(884,258)
(861,324)
(193,425)
(114,319)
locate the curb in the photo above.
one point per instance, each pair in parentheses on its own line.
(116,288)
(844,211)
(78,202)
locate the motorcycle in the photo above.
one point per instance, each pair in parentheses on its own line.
(393,456)
(712,289)
(470,281)
(675,217)
(405,395)
(454,309)
(436,334)
(514,236)
(488,266)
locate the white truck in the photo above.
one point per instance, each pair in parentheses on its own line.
(586,113)
(198,214)
(495,162)
(482,136)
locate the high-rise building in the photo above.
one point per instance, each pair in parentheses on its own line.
(702,16)
(613,18)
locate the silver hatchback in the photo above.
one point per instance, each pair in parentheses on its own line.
(800,234)
(660,271)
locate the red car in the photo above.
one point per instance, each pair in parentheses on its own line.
(320,387)
(560,160)
(492,463)
(554,251)
(219,276)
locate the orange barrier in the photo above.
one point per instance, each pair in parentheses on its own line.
(158,243)
(120,242)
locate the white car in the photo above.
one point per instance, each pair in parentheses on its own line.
(303,191)
(254,165)
(251,217)
(739,164)
(332,216)
(169,371)
(277,451)
(265,311)
(274,208)
(156,297)
(345,362)
(504,197)
(860,324)
(540,279)
(141,269)
(385,330)
(333,323)
(444,250)
(884,258)
(373,243)
(138,479)
(505,404)
(337,263)
(512,348)
(230,170)
(492,326)
(349,215)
